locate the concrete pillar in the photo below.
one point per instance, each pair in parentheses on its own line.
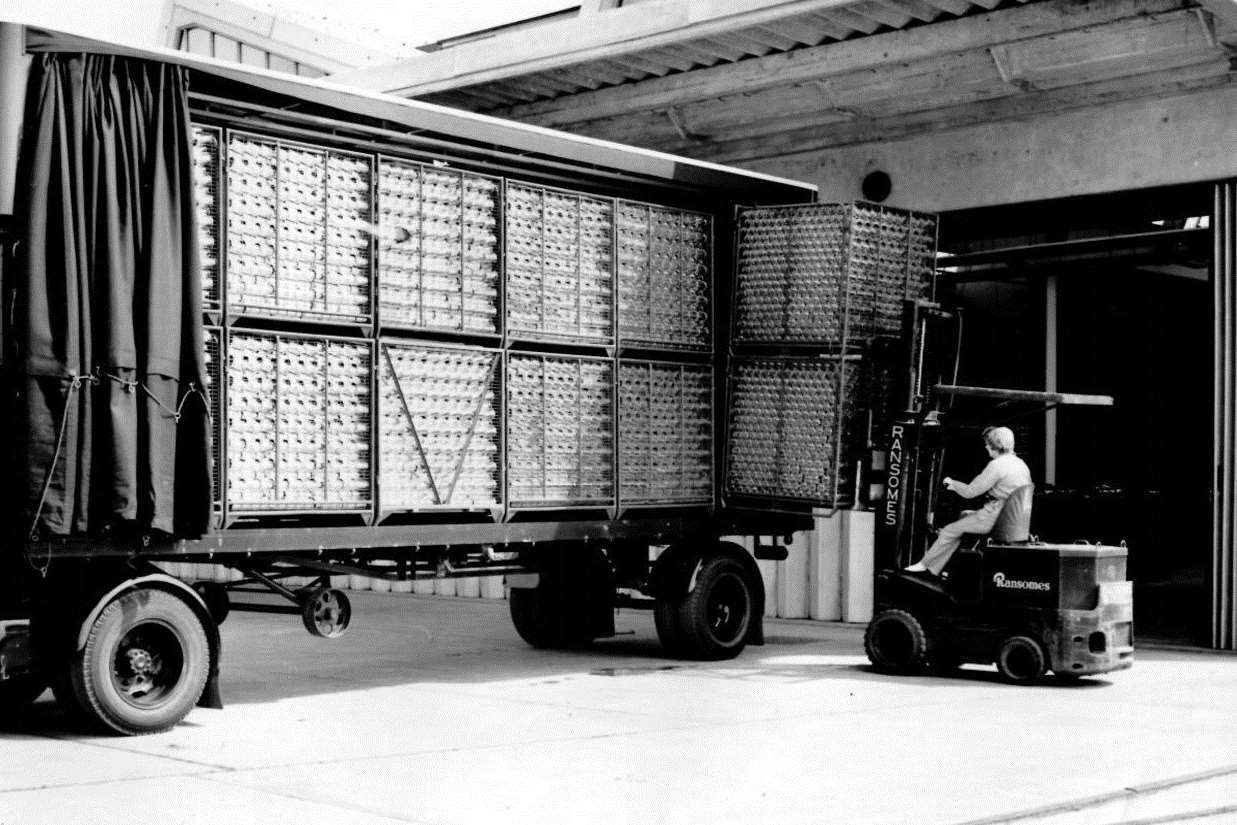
(858,564)
(793,579)
(825,568)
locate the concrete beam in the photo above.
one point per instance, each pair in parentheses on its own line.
(580,39)
(1130,145)
(829,60)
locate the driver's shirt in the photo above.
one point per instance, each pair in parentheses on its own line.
(1004,474)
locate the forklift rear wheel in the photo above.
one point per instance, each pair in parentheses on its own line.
(710,622)
(896,641)
(145,663)
(1021,660)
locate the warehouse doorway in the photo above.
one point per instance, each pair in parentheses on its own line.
(1106,294)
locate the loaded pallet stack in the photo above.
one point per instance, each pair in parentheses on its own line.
(814,287)
(389,337)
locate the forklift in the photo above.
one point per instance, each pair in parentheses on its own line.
(1009,599)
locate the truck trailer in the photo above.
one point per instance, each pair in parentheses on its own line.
(302,331)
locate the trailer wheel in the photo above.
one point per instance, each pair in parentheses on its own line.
(326,612)
(712,620)
(1021,660)
(145,663)
(896,641)
(572,604)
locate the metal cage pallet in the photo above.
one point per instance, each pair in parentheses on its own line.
(805,403)
(830,274)
(299,230)
(665,432)
(665,277)
(560,431)
(559,265)
(440,427)
(207,187)
(438,252)
(299,424)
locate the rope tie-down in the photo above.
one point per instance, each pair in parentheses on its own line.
(95,379)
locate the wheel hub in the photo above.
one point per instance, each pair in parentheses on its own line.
(140,670)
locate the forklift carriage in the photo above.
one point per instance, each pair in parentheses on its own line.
(1028,606)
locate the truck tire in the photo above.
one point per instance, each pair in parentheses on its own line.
(565,609)
(1021,660)
(145,663)
(711,621)
(895,641)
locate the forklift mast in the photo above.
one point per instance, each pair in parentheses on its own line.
(914,441)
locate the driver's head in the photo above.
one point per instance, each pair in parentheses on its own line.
(1000,439)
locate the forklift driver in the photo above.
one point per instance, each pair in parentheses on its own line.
(1005,473)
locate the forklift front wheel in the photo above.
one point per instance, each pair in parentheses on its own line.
(1021,660)
(896,641)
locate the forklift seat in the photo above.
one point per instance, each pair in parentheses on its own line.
(1014,521)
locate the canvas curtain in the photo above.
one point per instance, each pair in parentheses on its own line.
(116,423)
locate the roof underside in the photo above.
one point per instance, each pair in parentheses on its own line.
(733,82)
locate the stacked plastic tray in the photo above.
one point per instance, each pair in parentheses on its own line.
(438,249)
(788,428)
(207,201)
(815,275)
(560,265)
(560,430)
(665,277)
(440,429)
(299,231)
(665,432)
(299,429)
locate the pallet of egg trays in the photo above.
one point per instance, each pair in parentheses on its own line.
(665,275)
(298,423)
(560,431)
(665,432)
(439,427)
(213,346)
(438,249)
(206,185)
(559,265)
(299,228)
(790,429)
(816,275)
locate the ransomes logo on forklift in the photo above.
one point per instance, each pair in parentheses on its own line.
(1004,583)
(893,486)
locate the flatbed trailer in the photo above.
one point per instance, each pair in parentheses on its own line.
(762,383)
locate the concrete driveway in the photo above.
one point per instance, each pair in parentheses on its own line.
(431,710)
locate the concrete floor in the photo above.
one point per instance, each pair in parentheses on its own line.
(431,710)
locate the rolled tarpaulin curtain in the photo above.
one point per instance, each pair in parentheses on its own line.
(114,412)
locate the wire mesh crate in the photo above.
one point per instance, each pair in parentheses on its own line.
(665,432)
(437,249)
(213,343)
(665,273)
(439,432)
(206,188)
(298,423)
(560,431)
(299,226)
(790,429)
(829,274)
(559,265)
